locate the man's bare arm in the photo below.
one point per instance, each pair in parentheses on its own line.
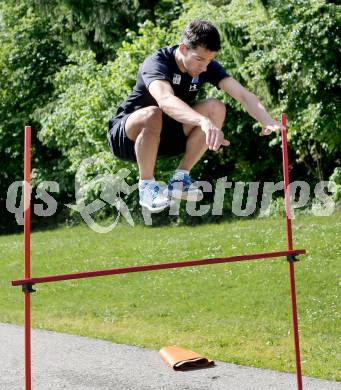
(177,109)
(251,103)
(170,104)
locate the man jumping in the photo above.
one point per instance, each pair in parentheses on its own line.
(161,118)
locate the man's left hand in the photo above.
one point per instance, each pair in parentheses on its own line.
(272,126)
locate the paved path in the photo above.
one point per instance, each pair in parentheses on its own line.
(62,361)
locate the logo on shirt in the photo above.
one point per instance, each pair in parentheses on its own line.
(176,78)
(194,84)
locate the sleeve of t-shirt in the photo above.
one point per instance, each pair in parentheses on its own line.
(155,68)
(215,73)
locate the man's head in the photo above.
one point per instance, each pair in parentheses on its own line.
(201,33)
(199,44)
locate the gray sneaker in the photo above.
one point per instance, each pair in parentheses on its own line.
(182,186)
(152,197)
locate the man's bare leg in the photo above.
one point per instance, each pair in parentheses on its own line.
(180,186)
(144,128)
(196,141)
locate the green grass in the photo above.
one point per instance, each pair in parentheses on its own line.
(238,312)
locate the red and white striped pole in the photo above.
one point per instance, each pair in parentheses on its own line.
(290,247)
(27,260)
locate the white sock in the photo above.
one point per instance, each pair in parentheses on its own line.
(182,171)
(142,182)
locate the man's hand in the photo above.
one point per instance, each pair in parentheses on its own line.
(272,126)
(214,137)
(251,103)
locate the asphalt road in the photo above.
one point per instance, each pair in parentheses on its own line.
(62,361)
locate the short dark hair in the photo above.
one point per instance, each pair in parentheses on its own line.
(201,33)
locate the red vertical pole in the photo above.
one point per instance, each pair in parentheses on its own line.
(290,247)
(27,262)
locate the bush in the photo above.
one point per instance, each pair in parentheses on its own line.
(283,52)
(286,53)
(336,178)
(30,54)
(86,95)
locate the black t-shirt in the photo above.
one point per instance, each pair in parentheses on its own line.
(161,65)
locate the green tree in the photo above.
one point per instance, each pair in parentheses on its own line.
(101,25)
(30,54)
(298,62)
(86,95)
(286,53)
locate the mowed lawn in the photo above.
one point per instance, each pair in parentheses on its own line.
(237,312)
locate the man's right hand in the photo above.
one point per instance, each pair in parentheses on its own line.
(214,137)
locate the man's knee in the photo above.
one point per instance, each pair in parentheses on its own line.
(215,107)
(152,117)
(147,120)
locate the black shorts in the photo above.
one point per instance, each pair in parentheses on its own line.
(172,142)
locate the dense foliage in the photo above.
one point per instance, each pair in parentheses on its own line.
(100,25)
(66,67)
(30,56)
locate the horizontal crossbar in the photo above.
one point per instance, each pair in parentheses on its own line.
(153,267)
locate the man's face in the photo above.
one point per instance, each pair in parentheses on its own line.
(196,60)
